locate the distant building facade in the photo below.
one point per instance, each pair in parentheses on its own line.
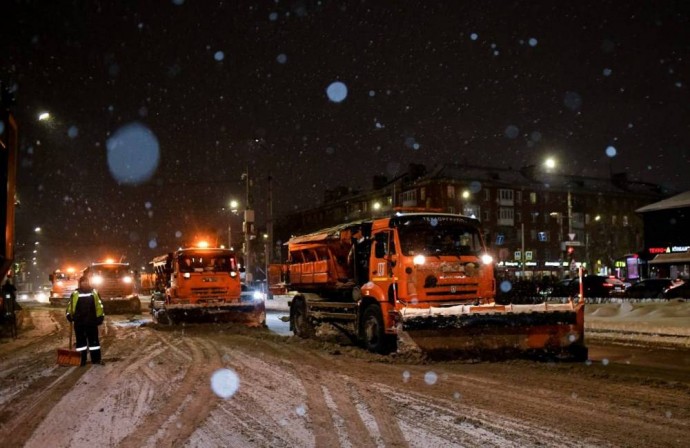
(666,250)
(536,222)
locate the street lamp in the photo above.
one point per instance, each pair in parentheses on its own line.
(234,207)
(248,227)
(550,164)
(43,116)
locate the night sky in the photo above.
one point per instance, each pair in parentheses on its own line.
(159,107)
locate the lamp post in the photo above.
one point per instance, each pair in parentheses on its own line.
(233,209)
(248,227)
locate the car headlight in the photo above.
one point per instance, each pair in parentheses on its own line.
(258,295)
(419,260)
(96,280)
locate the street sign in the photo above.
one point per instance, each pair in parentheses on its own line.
(571,236)
(518,255)
(528,255)
(573,243)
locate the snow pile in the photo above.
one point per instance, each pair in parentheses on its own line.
(659,321)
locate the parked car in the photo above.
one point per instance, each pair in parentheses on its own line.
(678,291)
(561,288)
(597,286)
(650,288)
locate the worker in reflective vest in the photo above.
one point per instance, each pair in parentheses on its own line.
(85,310)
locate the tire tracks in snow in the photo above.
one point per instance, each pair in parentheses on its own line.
(188,404)
(337,403)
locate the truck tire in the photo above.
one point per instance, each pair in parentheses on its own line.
(301,325)
(373,332)
(136,306)
(161,317)
(578,353)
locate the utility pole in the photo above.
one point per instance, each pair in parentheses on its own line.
(248,229)
(570,213)
(269,224)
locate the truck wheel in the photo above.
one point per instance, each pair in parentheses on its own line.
(136,306)
(578,353)
(373,332)
(300,321)
(161,317)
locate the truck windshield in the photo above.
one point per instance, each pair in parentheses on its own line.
(110,271)
(434,235)
(206,263)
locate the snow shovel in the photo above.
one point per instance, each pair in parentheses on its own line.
(67,356)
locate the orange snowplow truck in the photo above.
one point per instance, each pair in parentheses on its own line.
(115,285)
(202,284)
(63,283)
(421,282)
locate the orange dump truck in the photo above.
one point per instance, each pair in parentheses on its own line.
(423,281)
(115,285)
(63,283)
(202,284)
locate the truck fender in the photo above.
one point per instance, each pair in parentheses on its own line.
(371,293)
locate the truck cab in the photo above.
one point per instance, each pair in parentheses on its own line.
(63,282)
(115,285)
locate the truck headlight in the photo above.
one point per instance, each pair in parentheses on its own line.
(96,280)
(419,260)
(487,259)
(127,279)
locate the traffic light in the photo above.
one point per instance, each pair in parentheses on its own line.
(570,250)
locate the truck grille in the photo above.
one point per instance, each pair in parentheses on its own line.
(467,289)
(113,288)
(210,292)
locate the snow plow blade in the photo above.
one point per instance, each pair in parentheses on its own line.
(121,306)
(251,314)
(495,331)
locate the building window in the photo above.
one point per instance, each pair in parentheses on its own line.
(533,234)
(535,216)
(518,197)
(518,216)
(487,194)
(471,210)
(451,191)
(486,216)
(506,216)
(625,221)
(422,193)
(613,220)
(533,198)
(409,198)
(505,195)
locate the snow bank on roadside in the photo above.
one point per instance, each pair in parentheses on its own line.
(665,322)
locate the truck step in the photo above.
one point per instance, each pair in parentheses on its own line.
(318,315)
(331,305)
